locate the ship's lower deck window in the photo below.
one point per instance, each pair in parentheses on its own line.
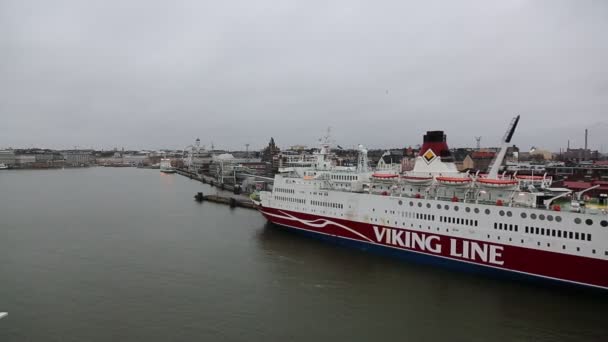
(557,233)
(504,226)
(458,220)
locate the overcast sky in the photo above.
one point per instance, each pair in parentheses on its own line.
(152,74)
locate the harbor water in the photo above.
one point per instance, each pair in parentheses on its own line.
(125,254)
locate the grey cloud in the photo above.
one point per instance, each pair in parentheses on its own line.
(151,74)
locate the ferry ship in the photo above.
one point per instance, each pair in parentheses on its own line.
(495,223)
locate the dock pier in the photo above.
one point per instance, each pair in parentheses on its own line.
(231,201)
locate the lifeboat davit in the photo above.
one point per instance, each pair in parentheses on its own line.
(417,180)
(497,183)
(453,181)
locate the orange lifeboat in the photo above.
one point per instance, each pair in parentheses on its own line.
(417,180)
(497,183)
(453,181)
(384,175)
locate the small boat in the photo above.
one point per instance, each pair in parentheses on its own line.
(453,181)
(417,180)
(165,166)
(385,175)
(3,166)
(497,183)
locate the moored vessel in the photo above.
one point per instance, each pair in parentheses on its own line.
(165,166)
(510,225)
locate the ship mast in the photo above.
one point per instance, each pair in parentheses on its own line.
(506,140)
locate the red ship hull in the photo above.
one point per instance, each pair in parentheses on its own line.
(433,245)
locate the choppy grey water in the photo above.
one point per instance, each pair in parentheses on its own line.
(125,254)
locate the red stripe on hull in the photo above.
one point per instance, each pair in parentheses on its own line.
(570,268)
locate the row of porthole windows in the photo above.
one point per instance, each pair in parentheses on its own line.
(558,233)
(291,199)
(541,217)
(578,249)
(447,207)
(533,216)
(589,222)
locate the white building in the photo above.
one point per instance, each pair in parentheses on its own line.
(77,158)
(25,160)
(7,157)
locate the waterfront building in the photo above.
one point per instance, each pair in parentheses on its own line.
(77,158)
(579,172)
(25,160)
(7,157)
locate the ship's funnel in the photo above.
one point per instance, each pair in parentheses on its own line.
(436,142)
